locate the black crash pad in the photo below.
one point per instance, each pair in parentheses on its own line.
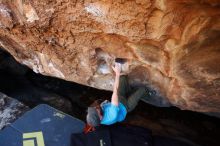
(42,126)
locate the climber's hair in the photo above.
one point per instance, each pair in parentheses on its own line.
(96,103)
(92,117)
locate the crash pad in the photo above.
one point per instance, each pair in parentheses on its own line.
(41,126)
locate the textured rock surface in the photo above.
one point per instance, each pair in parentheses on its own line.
(171,46)
(10,110)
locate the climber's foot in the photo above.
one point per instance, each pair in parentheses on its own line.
(150,92)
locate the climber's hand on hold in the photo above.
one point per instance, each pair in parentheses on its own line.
(117,69)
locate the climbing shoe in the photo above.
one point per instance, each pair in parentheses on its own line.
(150,92)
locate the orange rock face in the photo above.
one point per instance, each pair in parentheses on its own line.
(171,45)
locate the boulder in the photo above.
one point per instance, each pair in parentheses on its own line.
(10,110)
(170,46)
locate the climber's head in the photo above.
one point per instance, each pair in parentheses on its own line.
(94,114)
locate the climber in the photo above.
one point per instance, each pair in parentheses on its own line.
(110,112)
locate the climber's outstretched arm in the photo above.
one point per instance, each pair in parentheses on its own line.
(117,70)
